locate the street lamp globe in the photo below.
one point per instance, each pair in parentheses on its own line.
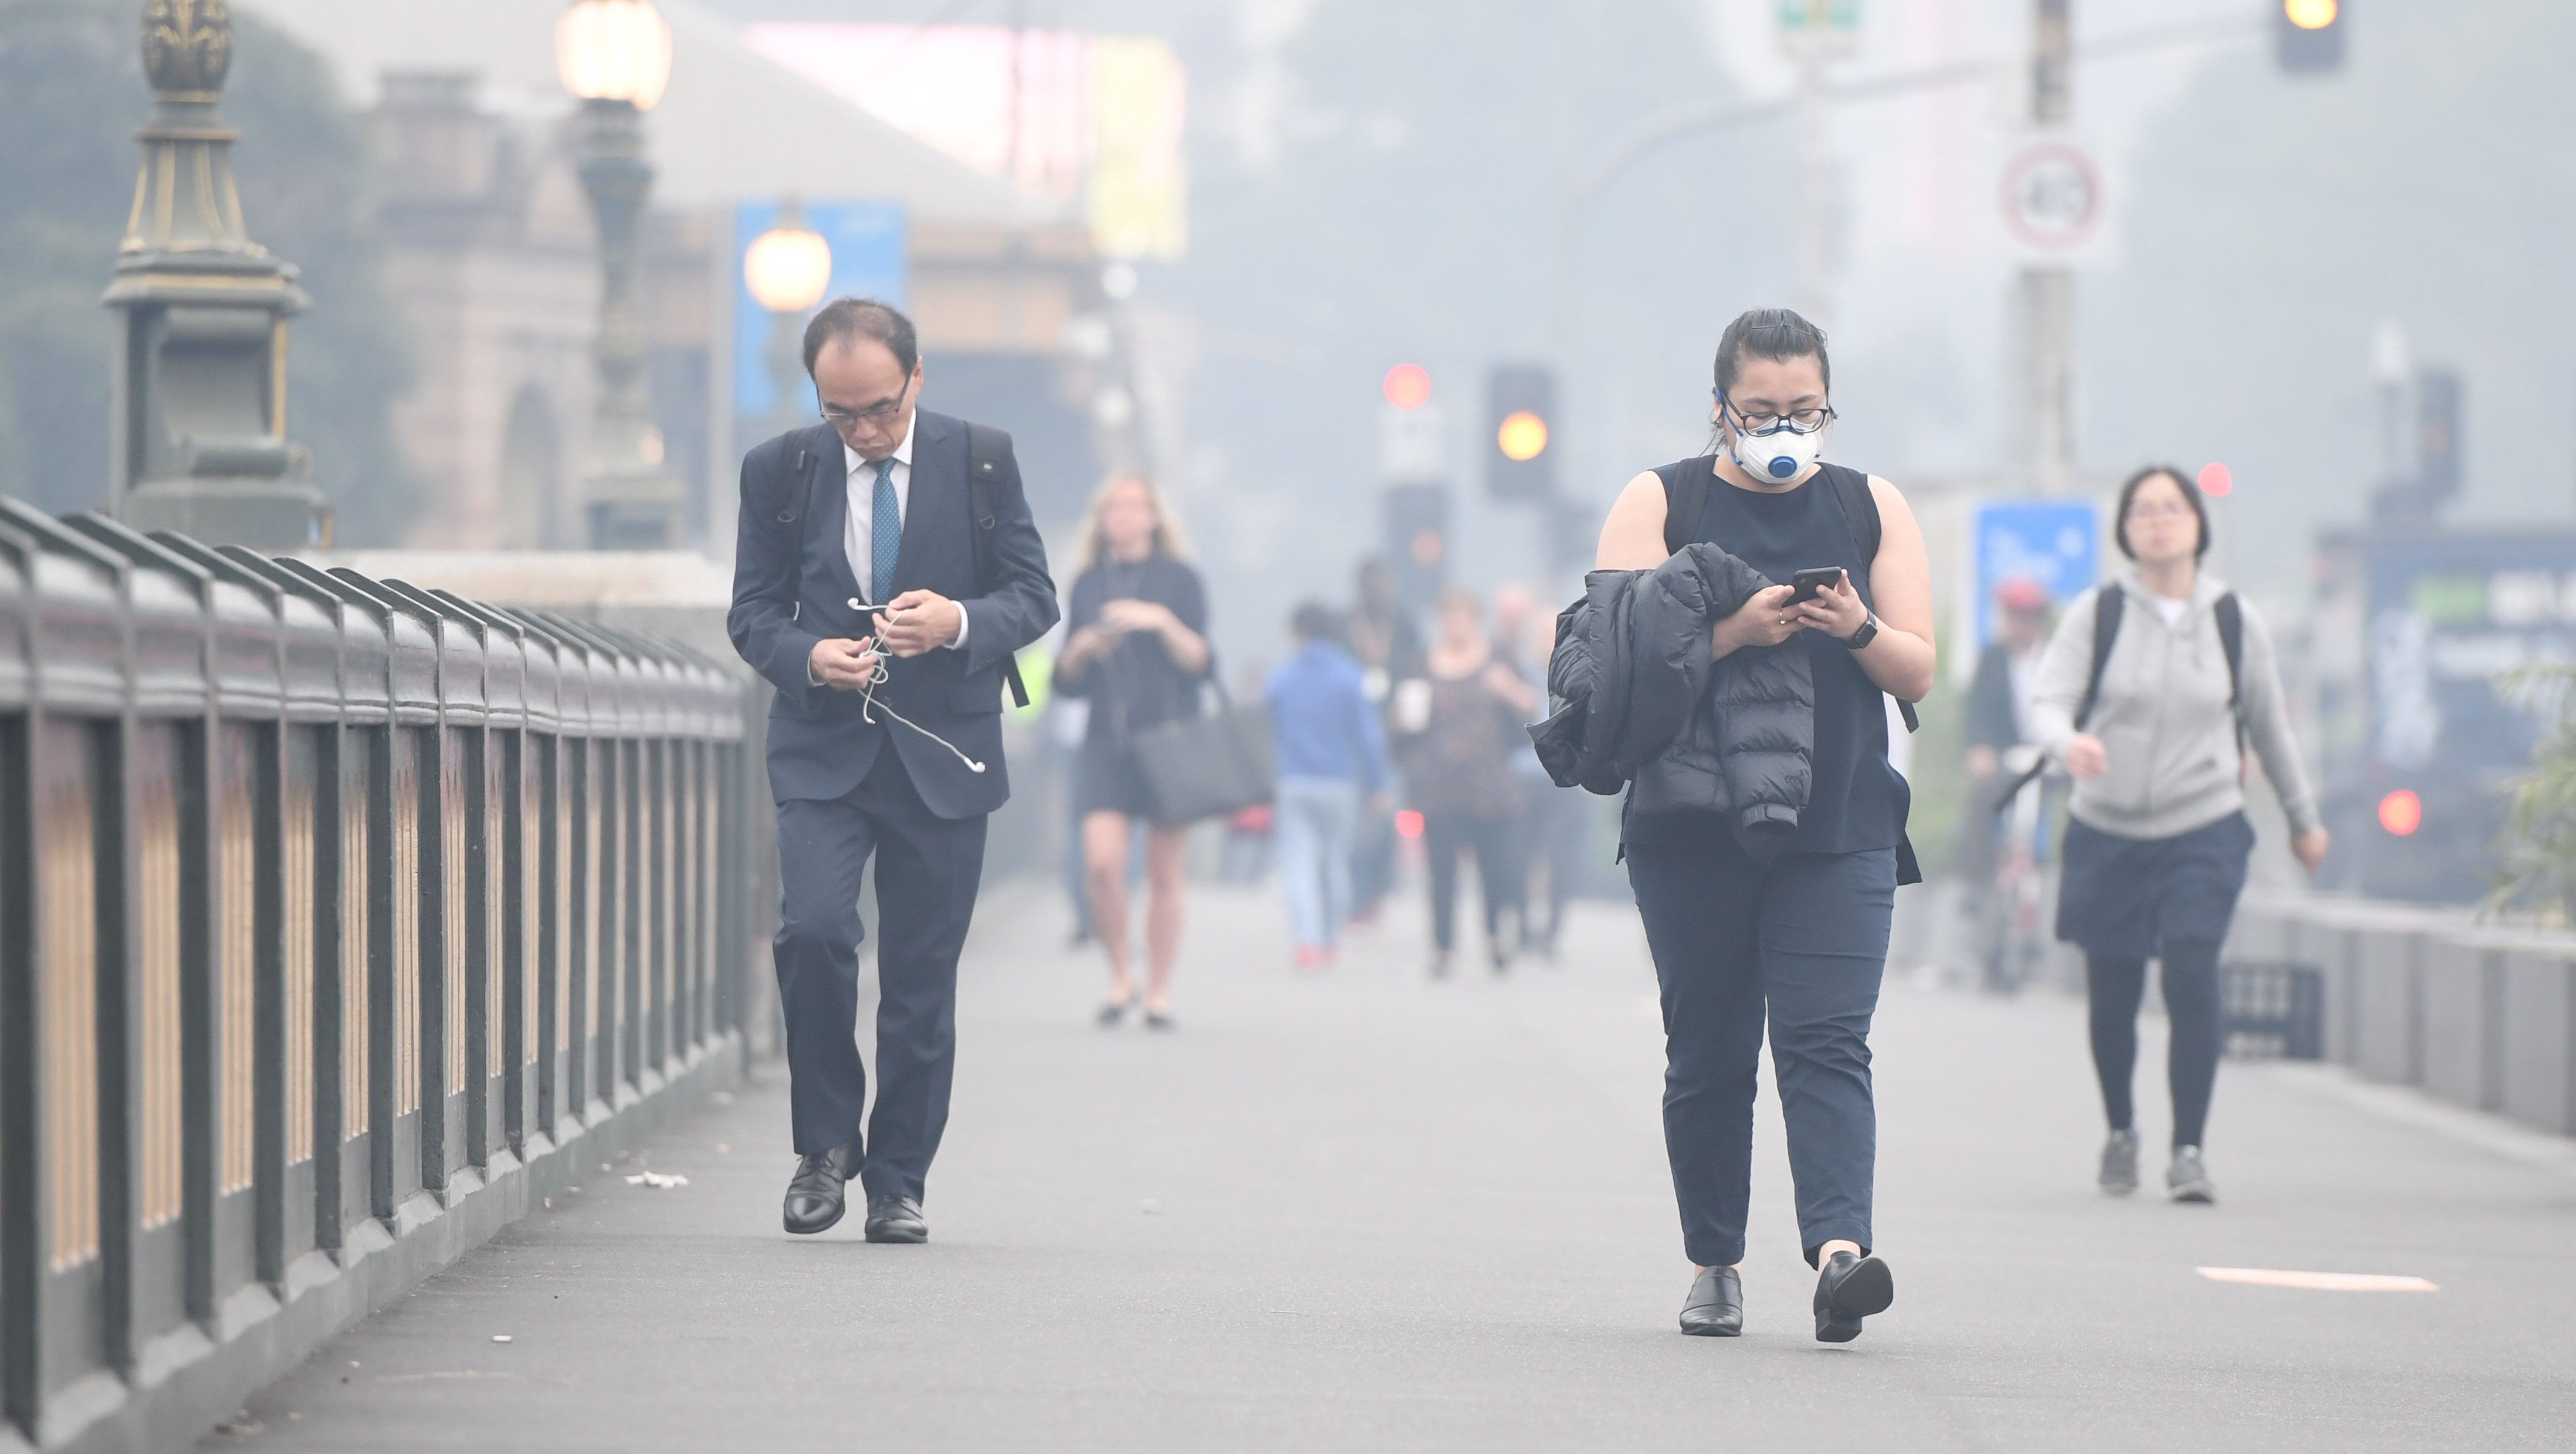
(789,266)
(614,50)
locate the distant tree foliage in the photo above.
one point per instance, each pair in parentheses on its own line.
(71,95)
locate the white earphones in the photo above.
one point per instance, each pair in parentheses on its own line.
(869,706)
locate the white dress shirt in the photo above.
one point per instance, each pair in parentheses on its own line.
(859,532)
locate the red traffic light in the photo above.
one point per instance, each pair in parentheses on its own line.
(2401,812)
(2217,481)
(1407,386)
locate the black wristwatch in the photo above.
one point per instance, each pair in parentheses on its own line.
(1867,633)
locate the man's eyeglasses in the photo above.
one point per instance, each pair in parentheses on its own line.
(1796,421)
(884,411)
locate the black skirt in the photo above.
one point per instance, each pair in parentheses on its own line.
(2124,898)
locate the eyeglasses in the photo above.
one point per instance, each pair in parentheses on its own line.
(1796,421)
(2176,511)
(880,412)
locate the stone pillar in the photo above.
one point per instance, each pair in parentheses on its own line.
(199,407)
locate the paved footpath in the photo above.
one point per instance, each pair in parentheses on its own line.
(1365,1211)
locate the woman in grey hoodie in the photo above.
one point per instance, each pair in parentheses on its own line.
(2155,856)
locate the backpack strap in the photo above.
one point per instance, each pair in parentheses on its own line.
(1686,485)
(2231,637)
(986,449)
(2108,602)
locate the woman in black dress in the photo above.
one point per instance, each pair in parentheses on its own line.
(1138,650)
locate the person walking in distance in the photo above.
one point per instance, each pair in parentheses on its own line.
(1549,835)
(886,572)
(2150,690)
(1796,937)
(1138,650)
(1382,636)
(1332,764)
(1461,728)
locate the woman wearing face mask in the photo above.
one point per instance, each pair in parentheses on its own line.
(1797,940)
(2149,692)
(1138,649)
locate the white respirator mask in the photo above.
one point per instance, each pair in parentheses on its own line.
(1778,454)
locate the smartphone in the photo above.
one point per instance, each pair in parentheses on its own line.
(1806,585)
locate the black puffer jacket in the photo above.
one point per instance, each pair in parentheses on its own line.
(1636,701)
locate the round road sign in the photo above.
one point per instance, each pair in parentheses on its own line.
(2052,196)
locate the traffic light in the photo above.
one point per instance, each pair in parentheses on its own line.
(2437,434)
(2308,35)
(1417,541)
(1521,418)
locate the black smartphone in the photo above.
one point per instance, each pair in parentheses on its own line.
(1806,585)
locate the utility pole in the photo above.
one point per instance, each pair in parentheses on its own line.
(1814,32)
(2045,296)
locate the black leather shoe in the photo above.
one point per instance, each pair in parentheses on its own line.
(893,1217)
(814,1197)
(1715,1307)
(1847,1290)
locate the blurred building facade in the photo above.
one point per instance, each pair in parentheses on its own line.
(491,255)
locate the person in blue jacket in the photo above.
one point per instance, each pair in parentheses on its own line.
(1332,762)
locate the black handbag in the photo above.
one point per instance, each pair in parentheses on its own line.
(1196,768)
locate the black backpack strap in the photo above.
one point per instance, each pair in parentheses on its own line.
(986,449)
(2231,638)
(1686,485)
(2108,602)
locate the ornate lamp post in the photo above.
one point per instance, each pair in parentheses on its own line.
(199,408)
(788,268)
(616,56)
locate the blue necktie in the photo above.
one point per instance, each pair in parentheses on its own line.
(885,536)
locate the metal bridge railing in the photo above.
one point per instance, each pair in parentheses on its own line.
(339,921)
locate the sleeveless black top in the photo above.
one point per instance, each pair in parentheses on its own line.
(1858,801)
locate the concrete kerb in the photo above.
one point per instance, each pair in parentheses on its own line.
(326,1295)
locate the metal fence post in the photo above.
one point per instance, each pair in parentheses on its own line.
(66,1339)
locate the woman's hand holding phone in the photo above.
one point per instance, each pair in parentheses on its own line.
(1765,619)
(1835,610)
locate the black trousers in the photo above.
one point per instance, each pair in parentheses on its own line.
(1802,943)
(2190,981)
(928,869)
(1444,837)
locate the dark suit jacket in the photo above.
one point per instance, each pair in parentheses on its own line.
(793,587)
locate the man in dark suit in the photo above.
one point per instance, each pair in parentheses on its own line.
(869,592)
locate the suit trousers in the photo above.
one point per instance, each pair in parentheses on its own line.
(1799,942)
(928,869)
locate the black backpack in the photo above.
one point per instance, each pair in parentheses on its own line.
(2110,603)
(986,448)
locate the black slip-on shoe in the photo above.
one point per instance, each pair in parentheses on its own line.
(1715,1307)
(1849,1289)
(896,1218)
(815,1195)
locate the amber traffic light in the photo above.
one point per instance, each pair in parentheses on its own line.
(1521,414)
(2308,35)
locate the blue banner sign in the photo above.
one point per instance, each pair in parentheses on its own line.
(868,261)
(2053,544)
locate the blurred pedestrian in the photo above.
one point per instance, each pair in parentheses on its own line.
(1795,930)
(1381,634)
(1137,648)
(1460,727)
(2149,692)
(1998,848)
(1549,833)
(1332,765)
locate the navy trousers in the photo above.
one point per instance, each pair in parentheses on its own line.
(1802,943)
(928,869)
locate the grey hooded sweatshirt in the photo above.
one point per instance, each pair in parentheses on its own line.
(2163,716)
